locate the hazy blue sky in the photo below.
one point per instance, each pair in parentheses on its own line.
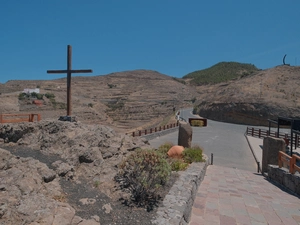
(174,37)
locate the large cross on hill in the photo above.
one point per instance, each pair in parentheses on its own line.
(69,72)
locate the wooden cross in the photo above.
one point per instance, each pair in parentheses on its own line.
(69,71)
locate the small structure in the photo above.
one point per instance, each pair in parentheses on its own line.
(293,123)
(198,122)
(29,91)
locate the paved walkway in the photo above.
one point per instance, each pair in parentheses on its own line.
(231,196)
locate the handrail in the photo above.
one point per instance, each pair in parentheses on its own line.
(154,130)
(262,133)
(289,162)
(284,160)
(294,164)
(17,118)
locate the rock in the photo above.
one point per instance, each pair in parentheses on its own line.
(87,201)
(62,168)
(64,214)
(89,222)
(90,155)
(185,134)
(71,150)
(107,208)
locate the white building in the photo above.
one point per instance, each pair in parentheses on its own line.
(29,91)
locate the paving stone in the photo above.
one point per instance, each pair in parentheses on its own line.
(231,196)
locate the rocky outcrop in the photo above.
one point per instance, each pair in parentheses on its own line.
(30,193)
(243,113)
(44,154)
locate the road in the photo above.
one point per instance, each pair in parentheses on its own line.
(226,141)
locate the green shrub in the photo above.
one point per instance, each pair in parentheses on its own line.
(178,165)
(142,174)
(50,95)
(193,154)
(22,96)
(90,105)
(163,149)
(39,96)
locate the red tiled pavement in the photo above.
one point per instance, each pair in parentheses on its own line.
(231,196)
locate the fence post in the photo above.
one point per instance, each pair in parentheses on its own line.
(140,133)
(167,126)
(150,130)
(258,165)
(252,132)
(164,127)
(292,164)
(259,133)
(145,131)
(133,134)
(155,129)
(1,118)
(212,159)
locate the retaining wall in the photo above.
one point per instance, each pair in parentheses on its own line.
(284,178)
(177,205)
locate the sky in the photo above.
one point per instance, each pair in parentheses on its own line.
(173,37)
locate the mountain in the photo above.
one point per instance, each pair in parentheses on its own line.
(253,99)
(124,100)
(221,72)
(140,99)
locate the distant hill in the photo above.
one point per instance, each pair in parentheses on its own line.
(221,72)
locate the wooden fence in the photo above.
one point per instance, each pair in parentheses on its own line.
(289,162)
(262,133)
(17,118)
(154,130)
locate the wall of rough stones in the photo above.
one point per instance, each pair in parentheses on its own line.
(284,178)
(177,205)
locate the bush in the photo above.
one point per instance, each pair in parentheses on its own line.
(193,154)
(22,96)
(178,165)
(39,96)
(142,174)
(163,149)
(90,105)
(50,95)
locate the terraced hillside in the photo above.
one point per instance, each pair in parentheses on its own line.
(124,100)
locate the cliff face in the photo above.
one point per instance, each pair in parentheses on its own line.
(254,99)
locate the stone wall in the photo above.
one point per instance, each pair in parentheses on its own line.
(284,178)
(177,205)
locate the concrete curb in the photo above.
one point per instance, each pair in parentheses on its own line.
(177,205)
(253,153)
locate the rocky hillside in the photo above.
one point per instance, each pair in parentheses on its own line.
(253,99)
(55,172)
(124,100)
(139,99)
